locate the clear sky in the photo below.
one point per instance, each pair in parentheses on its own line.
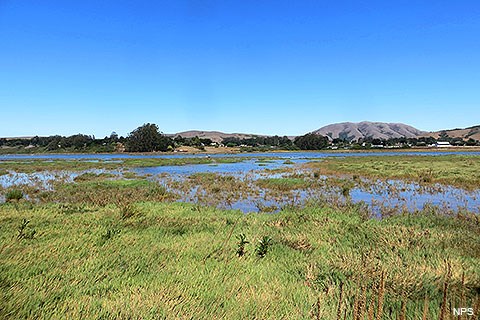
(265,67)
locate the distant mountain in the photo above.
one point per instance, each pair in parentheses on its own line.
(215,136)
(467,133)
(377,130)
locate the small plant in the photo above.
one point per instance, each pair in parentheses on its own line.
(23,232)
(346,191)
(426,176)
(263,245)
(128,210)
(197,207)
(109,233)
(13,195)
(242,241)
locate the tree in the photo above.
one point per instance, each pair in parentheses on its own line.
(311,141)
(78,141)
(147,138)
(113,136)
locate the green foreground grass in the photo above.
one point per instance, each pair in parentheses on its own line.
(458,170)
(176,260)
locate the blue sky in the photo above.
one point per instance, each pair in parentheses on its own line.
(266,67)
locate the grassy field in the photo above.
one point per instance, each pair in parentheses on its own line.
(108,248)
(28,166)
(458,170)
(174,260)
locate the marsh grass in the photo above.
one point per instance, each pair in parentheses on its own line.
(101,193)
(13,195)
(117,248)
(212,189)
(75,165)
(457,170)
(92,176)
(24,231)
(283,184)
(93,264)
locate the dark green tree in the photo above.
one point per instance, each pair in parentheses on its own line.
(147,138)
(311,141)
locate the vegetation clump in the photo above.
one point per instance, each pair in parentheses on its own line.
(13,195)
(92,176)
(311,141)
(147,138)
(101,193)
(242,242)
(107,235)
(457,170)
(263,246)
(283,183)
(24,232)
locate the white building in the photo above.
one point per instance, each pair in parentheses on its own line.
(442,144)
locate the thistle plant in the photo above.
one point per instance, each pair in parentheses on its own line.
(242,241)
(23,233)
(263,245)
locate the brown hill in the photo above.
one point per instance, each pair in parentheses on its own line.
(215,136)
(379,130)
(467,133)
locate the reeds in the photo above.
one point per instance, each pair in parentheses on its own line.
(425,307)
(381,296)
(443,308)
(368,301)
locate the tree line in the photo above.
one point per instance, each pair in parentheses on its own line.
(148,138)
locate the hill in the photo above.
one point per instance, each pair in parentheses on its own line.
(467,133)
(379,130)
(215,136)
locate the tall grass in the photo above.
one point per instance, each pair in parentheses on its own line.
(458,170)
(322,262)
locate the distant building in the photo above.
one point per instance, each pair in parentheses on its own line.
(442,144)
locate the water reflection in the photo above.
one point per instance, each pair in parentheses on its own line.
(379,196)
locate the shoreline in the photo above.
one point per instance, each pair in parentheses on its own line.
(208,152)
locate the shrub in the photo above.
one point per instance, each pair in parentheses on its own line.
(23,232)
(242,241)
(128,210)
(14,194)
(263,245)
(109,234)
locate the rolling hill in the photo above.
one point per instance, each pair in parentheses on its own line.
(215,136)
(467,133)
(353,131)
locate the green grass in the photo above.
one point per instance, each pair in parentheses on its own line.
(457,170)
(28,166)
(283,184)
(104,192)
(107,248)
(91,176)
(13,195)
(153,162)
(177,260)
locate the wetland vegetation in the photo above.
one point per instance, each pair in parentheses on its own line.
(37,165)
(458,170)
(120,240)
